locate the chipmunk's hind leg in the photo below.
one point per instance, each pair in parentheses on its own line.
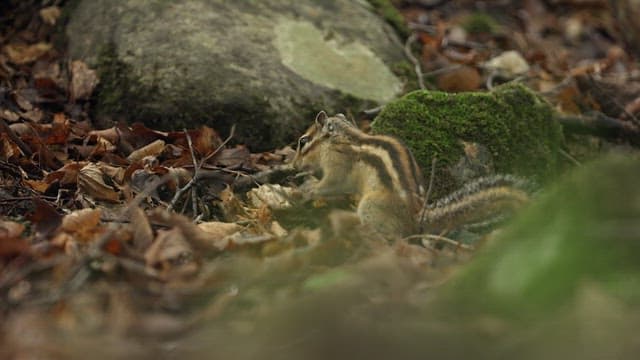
(386,215)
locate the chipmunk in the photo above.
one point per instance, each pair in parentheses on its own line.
(387,182)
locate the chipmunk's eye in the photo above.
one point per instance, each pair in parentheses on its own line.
(303,140)
(331,127)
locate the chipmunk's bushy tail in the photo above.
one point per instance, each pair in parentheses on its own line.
(481,203)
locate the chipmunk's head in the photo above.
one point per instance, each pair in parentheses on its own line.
(324,131)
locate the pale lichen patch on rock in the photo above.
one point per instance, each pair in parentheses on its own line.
(327,60)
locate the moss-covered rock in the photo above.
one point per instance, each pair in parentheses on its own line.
(512,122)
(584,231)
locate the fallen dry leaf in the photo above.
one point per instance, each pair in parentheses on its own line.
(82,223)
(67,175)
(50,14)
(201,239)
(171,254)
(91,182)
(112,134)
(204,140)
(9,115)
(37,185)
(20,54)
(142,232)
(233,157)
(272,195)
(83,81)
(508,64)
(152,149)
(277,229)
(218,229)
(10,229)
(8,149)
(45,218)
(113,172)
(22,129)
(464,78)
(10,241)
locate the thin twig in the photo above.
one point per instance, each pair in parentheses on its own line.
(196,168)
(373,111)
(445,69)
(429,29)
(490,78)
(601,125)
(414,61)
(423,214)
(231,134)
(440,238)
(443,239)
(567,81)
(569,157)
(16,139)
(193,179)
(267,176)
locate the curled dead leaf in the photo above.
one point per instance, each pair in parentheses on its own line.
(50,14)
(20,54)
(82,223)
(9,149)
(91,182)
(272,195)
(111,134)
(218,229)
(9,115)
(66,175)
(197,236)
(154,148)
(171,255)
(113,172)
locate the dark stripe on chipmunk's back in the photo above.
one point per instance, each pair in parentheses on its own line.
(377,163)
(400,157)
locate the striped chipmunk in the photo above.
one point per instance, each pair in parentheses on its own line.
(387,183)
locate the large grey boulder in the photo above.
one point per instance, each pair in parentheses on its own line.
(267,66)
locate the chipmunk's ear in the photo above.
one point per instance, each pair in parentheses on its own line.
(321,118)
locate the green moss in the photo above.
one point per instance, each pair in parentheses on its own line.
(480,22)
(512,122)
(118,86)
(580,232)
(386,9)
(406,71)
